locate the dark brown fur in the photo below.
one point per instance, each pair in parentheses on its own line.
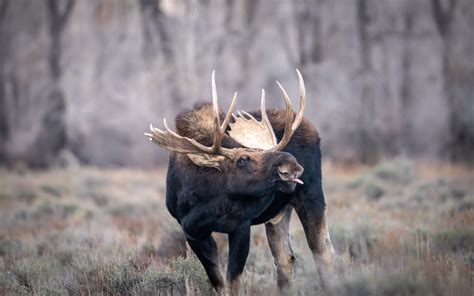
(206,200)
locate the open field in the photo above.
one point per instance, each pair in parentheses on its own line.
(399,228)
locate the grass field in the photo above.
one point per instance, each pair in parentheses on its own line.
(399,228)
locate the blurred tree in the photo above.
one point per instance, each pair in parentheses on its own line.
(386,77)
(460,141)
(57,18)
(4,131)
(242,24)
(368,140)
(155,35)
(406,97)
(53,135)
(159,29)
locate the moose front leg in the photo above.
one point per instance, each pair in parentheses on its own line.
(239,242)
(206,251)
(278,238)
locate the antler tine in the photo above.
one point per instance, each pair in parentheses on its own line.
(288,120)
(229,114)
(299,115)
(219,129)
(215,106)
(172,141)
(263,111)
(290,124)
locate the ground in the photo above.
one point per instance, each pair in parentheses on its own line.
(399,228)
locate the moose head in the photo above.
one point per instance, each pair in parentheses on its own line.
(259,164)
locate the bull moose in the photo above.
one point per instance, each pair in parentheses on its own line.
(250,169)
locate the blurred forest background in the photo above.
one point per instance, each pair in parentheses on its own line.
(390,86)
(83,79)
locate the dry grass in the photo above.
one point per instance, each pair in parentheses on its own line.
(400,228)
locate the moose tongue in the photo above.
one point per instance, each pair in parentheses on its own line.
(297,181)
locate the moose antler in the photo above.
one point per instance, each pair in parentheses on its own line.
(251,133)
(170,140)
(245,129)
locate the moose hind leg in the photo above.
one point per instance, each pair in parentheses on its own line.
(313,218)
(206,251)
(283,257)
(319,241)
(239,242)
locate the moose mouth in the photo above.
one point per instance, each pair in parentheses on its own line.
(287,186)
(298,181)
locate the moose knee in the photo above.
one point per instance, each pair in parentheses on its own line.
(285,262)
(193,230)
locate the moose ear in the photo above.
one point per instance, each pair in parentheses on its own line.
(207,160)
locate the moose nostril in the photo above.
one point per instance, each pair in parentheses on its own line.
(298,173)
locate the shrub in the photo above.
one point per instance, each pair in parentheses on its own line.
(398,172)
(156,283)
(190,268)
(454,241)
(121,279)
(25,277)
(55,191)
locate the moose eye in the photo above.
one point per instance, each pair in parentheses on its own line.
(242,161)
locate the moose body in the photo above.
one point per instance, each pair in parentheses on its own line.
(204,200)
(228,194)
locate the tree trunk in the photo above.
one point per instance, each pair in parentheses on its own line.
(367,143)
(460,143)
(406,97)
(4,130)
(53,135)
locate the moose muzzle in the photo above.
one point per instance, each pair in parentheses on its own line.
(290,172)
